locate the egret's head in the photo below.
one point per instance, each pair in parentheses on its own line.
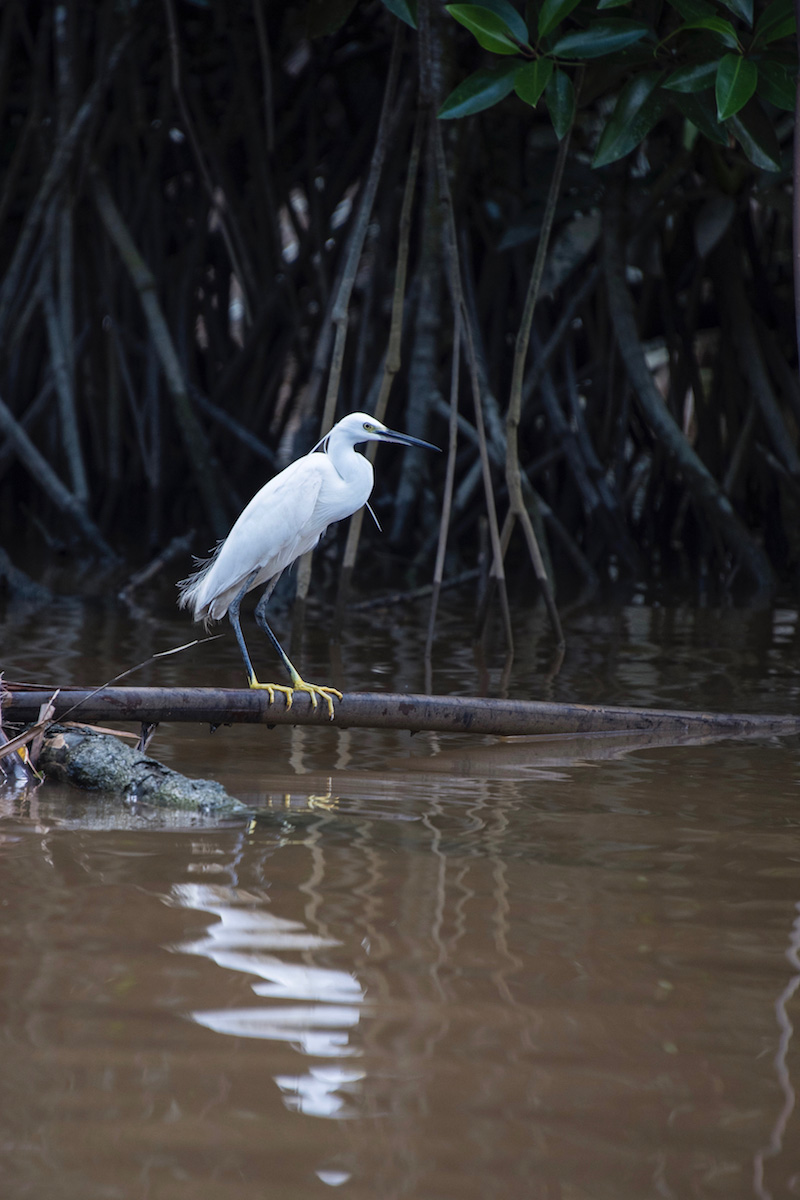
(361,427)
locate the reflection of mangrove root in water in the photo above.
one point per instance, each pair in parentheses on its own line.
(781,1069)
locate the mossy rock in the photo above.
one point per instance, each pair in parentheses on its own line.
(100,761)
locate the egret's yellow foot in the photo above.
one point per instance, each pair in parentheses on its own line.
(299,685)
(327,693)
(272,688)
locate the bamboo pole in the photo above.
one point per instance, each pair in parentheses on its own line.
(384,710)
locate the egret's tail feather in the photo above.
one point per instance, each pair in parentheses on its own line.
(191,588)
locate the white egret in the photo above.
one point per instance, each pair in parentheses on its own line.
(284,520)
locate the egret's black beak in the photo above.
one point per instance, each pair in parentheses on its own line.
(405,439)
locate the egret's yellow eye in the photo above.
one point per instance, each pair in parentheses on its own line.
(369,428)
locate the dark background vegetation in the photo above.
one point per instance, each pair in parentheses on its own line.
(180,187)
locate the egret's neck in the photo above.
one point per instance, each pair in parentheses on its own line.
(349,464)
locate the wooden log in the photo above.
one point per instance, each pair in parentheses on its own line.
(385,710)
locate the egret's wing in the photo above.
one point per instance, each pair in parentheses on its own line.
(279,522)
(275,528)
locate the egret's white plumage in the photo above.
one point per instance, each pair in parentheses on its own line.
(284,520)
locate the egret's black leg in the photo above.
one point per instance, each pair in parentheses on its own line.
(298,684)
(263,624)
(233,615)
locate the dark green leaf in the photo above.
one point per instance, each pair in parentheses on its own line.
(506,12)
(718,25)
(777,83)
(490,31)
(693,10)
(531,79)
(776,21)
(552,13)
(611,4)
(742,8)
(637,110)
(480,90)
(560,96)
(600,38)
(701,110)
(736,81)
(695,78)
(406,10)
(756,136)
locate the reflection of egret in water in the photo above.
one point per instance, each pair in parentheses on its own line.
(250,939)
(781,1067)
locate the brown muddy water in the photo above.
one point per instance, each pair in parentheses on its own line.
(426,967)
